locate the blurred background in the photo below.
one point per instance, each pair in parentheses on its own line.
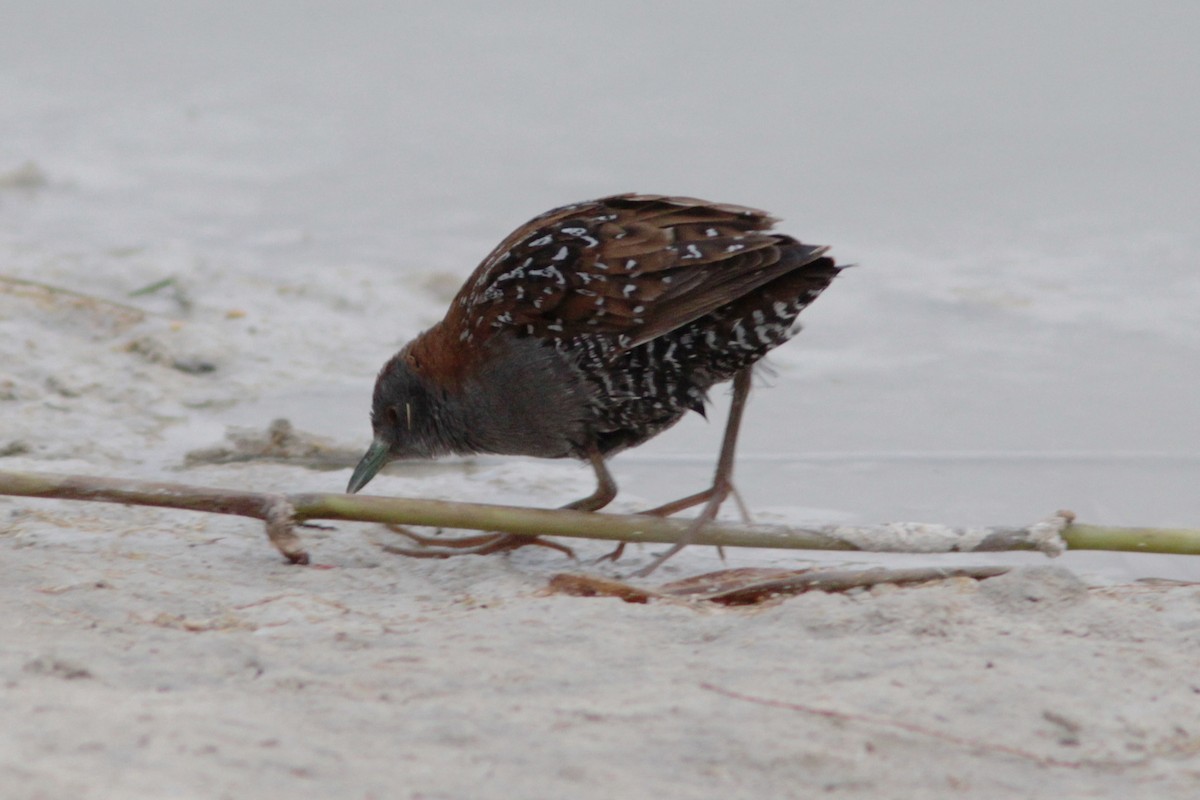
(308,183)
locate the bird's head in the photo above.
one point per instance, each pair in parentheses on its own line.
(406,417)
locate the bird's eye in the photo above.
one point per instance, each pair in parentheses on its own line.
(393,417)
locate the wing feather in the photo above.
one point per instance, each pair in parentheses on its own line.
(630,266)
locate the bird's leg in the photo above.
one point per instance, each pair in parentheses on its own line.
(743,509)
(606,487)
(606,490)
(484,544)
(722,485)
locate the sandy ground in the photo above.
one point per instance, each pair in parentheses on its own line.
(254,207)
(152,655)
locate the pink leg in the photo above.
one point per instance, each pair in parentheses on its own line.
(722,484)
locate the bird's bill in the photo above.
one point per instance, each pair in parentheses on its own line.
(376,456)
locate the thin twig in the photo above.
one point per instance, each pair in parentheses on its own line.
(283,512)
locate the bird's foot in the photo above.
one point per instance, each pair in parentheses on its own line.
(613,554)
(674,507)
(712,498)
(479,545)
(682,504)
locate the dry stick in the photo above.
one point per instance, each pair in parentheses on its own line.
(841,580)
(281,512)
(273,509)
(749,586)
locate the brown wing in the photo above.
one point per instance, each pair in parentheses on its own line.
(635,266)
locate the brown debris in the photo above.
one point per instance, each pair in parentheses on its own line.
(751,585)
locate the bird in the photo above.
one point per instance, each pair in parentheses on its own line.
(591,329)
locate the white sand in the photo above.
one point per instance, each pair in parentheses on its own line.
(1020,338)
(152,655)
